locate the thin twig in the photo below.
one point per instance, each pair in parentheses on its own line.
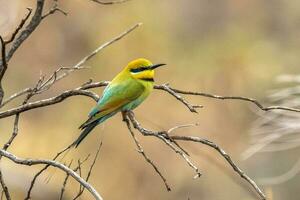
(23,21)
(192,108)
(109,2)
(65,182)
(53,9)
(4,187)
(3,67)
(81,190)
(14,134)
(181,126)
(141,151)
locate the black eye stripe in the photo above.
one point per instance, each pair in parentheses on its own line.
(140,69)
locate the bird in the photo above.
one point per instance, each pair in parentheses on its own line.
(125,92)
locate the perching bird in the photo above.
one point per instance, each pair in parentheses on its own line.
(125,92)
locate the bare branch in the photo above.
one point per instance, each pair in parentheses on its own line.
(4,187)
(109,2)
(165,87)
(141,151)
(55,164)
(54,9)
(3,67)
(168,138)
(181,126)
(46,102)
(163,135)
(14,134)
(254,101)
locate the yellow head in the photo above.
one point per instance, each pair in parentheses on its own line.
(142,69)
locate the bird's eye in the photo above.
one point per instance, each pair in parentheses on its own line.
(140,69)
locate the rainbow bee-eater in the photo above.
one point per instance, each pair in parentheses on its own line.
(125,92)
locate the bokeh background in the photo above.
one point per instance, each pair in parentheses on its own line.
(233,47)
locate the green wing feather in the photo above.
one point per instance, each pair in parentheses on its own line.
(115,96)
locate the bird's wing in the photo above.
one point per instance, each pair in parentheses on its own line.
(114,97)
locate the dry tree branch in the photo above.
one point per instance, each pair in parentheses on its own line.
(30,162)
(163,134)
(16,124)
(141,151)
(166,88)
(254,101)
(3,68)
(54,9)
(4,187)
(109,2)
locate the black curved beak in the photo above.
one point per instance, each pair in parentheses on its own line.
(156,66)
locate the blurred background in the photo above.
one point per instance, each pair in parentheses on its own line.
(234,47)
